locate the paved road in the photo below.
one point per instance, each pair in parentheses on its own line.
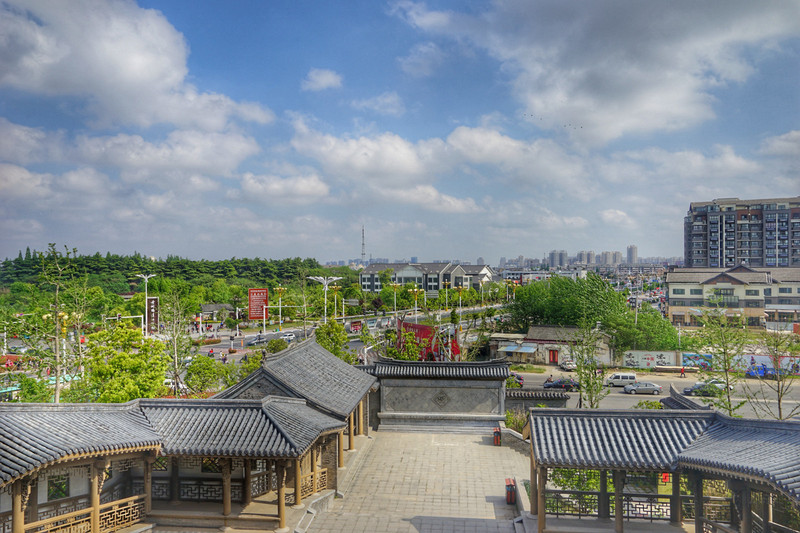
(427,483)
(617,399)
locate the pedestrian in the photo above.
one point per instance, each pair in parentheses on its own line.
(683,372)
(211,352)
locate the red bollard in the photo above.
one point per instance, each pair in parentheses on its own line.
(511,491)
(497,436)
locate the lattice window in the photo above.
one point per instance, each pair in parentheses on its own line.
(57,487)
(161,464)
(211,465)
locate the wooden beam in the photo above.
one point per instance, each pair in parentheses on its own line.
(542,511)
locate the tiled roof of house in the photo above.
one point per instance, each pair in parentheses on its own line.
(750,449)
(237,428)
(37,435)
(307,370)
(636,440)
(392,368)
(676,400)
(522,394)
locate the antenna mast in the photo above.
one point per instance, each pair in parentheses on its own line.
(363,248)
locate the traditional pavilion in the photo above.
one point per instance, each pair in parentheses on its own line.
(755,460)
(239,458)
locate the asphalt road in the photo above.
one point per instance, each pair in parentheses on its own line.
(617,399)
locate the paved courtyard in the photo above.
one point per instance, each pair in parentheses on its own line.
(427,482)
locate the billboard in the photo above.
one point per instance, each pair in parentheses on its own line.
(355,326)
(152,313)
(433,342)
(257,301)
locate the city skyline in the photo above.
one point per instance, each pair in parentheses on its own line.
(282,129)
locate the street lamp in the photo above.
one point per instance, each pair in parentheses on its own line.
(416,295)
(446,284)
(325,282)
(335,289)
(394,287)
(146,277)
(460,288)
(280,290)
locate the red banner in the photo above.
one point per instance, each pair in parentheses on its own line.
(433,342)
(258,300)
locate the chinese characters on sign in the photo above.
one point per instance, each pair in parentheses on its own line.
(257,302)
(152,313)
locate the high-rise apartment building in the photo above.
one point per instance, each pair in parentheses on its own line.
(633,254)
(728,231)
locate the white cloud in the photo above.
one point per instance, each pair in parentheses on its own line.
(23,145)
(388,103)
(598,71)
(128,63)
(278,190)
(786,145)
(427,197)
(616,217)
(319,79)
(423,60)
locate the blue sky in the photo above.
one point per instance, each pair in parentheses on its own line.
(446,129)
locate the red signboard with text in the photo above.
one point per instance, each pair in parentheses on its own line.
(258,300)
(434,346)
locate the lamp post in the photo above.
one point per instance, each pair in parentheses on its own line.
(481,284)
(280,290)
(325,282)
(394,287)
(335,289)
(146,277)
(446,284)
(416,295)
(460,289)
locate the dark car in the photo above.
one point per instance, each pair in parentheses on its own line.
(517,378)
(258,339)
(562,383)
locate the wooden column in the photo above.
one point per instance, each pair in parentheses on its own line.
(341,449)
(281,495)
(361,417)
(619,476)
(351,444)
(226,486)
(17,507)
(603,510)
(298,489)
(746,524)
(534,496)
(675,504)
(94,494)
(541,484)
(148,483)
(766,510)
(314,468)
(697,482)
(247,490)
(175,481)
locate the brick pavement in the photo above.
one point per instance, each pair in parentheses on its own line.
(427,482)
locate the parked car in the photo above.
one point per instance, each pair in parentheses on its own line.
(568,365)
(712,387)
(288,336)
(258,339)
(566,384)
(642,387)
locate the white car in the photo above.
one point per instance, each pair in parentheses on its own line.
(288,336)
(568,365)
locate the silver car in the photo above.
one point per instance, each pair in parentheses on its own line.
(642,387)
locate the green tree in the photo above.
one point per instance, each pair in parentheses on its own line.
(768,397)
(174,317)
(276,345)
(333,338)
(33,390)
(202,374)
(588,370)
(122,366)
(724,337)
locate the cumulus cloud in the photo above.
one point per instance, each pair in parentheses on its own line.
(388,103)
(599,71)
(319,79)
(423,60)
(128,63)
(616,217)
(275,189)
(786,145)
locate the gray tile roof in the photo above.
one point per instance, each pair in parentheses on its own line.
(392,368)
(307,370)
(37,435)
(751,449)
(636,440)
(236,428)
(520,394)
(676,400)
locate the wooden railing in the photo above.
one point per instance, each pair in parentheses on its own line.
(113,516)
(307,482)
